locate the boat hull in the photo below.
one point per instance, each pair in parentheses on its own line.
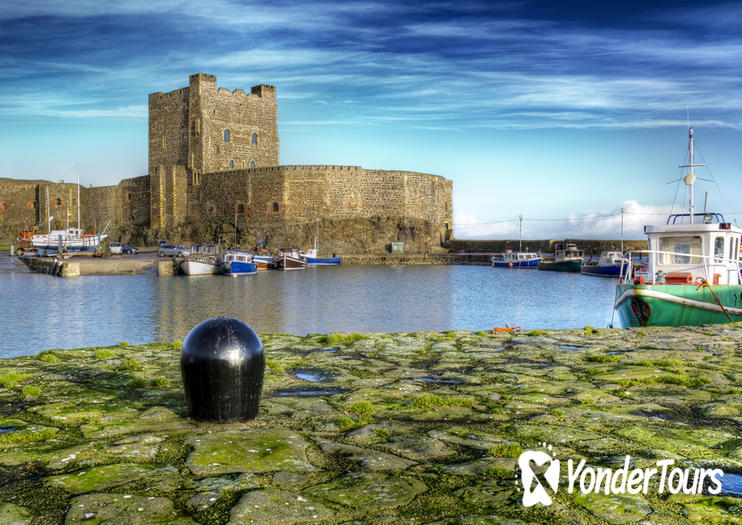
(237,268)
(286,262)
(598,270)
(676,305)
(560,266)
(323,261)
(190,267)
(500,263)
(264,262)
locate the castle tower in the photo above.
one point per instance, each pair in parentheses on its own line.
(208,130)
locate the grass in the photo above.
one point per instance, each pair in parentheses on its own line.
(123,344)
(27,436)
(275,366)
(557,412)
(31,390)
(136,382)
(11,380)
(130,364)
(362,408)
(428,400)
(603,358)
(498,473)
(505,450)
(102,353)
(589,330)
(345,423)
(680,379)
(160,382)
(48,357)
(536,333)
(381,432)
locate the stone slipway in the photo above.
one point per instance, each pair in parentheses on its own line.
(374,428)
(76,266)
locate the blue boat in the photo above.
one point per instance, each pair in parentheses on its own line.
(239,263)
(511,259)
(608,266)
(311,258)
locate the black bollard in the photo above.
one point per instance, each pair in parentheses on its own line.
(222,363)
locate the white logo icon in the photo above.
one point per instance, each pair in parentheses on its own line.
(534,491)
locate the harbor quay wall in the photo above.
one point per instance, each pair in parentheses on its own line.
(431,424)
(590,246)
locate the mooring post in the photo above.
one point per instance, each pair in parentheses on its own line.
(222,363)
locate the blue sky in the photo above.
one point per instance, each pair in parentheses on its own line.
(546,109)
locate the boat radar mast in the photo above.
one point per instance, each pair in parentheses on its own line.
(690,178)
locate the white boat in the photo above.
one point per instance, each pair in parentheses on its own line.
(312,258)
(204,259)
(69,240)
(689,276)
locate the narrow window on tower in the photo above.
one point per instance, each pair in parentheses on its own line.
(231,164)
(252,163)
(226,135)
(254,139)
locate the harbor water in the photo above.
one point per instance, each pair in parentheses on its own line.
(40,312)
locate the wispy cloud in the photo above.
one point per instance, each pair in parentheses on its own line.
(468,65)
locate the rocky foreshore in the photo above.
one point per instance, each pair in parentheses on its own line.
(377,428)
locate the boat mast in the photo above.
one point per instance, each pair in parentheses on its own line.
(316,234)
(48,220)
(77,167)
(520,234)
(691,177)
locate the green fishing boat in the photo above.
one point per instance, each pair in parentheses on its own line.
(567,258)
(689,276)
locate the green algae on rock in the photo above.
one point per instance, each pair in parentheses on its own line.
(383,428)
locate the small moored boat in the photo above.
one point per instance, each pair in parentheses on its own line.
(609,265)
(204,259)
(692,273)
(238,263)
(289,260)
(511,259)
(567,258)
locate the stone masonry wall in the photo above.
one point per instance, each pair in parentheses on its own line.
(19,202)
(187,127)
(168,128)
(135,200)
(248,118)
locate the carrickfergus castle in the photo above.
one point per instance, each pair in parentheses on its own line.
(214,175)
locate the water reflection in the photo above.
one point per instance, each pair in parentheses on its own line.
(38,311)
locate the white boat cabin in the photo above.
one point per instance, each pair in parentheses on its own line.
(610,258)
(685,252)
(519,257)
(230,257)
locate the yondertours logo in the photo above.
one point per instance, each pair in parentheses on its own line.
(540,476)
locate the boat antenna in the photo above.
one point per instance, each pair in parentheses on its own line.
(690,178)
(622,212)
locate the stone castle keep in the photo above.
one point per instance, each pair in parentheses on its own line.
(214,163)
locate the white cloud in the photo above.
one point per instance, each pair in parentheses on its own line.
(587,225)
